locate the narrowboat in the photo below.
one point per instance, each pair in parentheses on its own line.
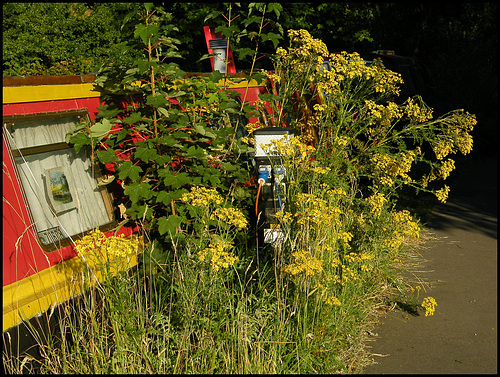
(51,194)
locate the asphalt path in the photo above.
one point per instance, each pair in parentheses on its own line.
(460,268)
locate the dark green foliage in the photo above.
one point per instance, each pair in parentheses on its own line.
(455,43)
(61,38)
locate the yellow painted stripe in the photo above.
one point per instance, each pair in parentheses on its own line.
(35,93)
(38,293)
(243,84)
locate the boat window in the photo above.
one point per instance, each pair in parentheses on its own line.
(59,185)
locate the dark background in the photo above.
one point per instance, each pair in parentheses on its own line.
(453,44)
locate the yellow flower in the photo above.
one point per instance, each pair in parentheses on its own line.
(319,170)
(429,304)
(342,141)
(376,203)
(442,149)
(446,168)
(319,108)
(217,256)
(304,263)
(405,225)
(442,194)
(333,301)
(284,217)
(202,197)
(96,245)
(416,113)
(231,216)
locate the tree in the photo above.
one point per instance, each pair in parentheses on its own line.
(61,38)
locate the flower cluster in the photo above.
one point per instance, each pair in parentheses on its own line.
(332,301)
(416,113)
(429,304)
(404,228)
(359,259)
(314,210)
(346,67)
(318,169)
(354,257)
(446,168)
(202,197)
(347,274)
(383,115)
(376,203)
(387,168)
(230,216)
(456,136)
(96,244)
(289,148)
(304,47)
(304,263)
(284,217)
(442,194)
(217,255)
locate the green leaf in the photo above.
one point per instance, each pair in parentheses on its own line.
(226,31)
(164,197)
(163,159)
(133,118)
(213,179)
(100,130)
(229,166)
(129,170)
(276,7)
(252,20)
(76,128)
(268,97)
(216,76)
(79,140)
(144,65)
(163,111)
(169,224)
(243,52)
(131,71)
(180,180)
(145,153)
(195,152)
(138,190)
(204,130)
(273,37)
(168,177)
(107,181)
(108,155)
(145,32)
(178,93)
(157,101)
(213,14)
(227,105)
(107,112)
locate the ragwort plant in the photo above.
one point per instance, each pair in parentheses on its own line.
(354,150)
(346,108)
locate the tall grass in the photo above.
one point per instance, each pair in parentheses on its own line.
(183,316)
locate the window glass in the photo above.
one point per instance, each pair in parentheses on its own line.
(60,186)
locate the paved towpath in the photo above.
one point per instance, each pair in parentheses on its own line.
(461,266)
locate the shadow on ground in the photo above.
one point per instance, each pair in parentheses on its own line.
(461,269)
